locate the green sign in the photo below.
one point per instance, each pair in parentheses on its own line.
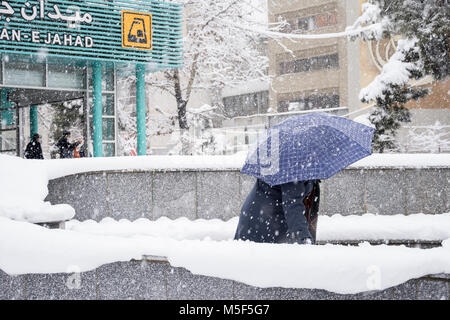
(94,30)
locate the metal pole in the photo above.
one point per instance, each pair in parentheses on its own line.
(3,98)
(141,110)
(33,120)
(97,109)
(18,131)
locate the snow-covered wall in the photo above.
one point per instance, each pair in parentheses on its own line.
(156,280)
(214,188)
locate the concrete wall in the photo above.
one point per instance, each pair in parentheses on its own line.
(220,194)
(158,280)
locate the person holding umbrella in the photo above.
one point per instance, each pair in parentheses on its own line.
(289,163)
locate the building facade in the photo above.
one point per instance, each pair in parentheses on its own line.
(329,73)
(317,73)
(53,52)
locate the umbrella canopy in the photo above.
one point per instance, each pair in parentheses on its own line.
(308,147)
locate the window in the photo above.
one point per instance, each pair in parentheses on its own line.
(107,79)
(60,76)
(330,61)
(302,65)
(246,104)
(109,149)
(306,24)
(108,129)
(332,19)
(317,21)
(7,114)
(310,19)
(25,74)
(309,103)
(108,111)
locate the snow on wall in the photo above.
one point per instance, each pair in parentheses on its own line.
(23,188)
(24,182)
(59,168)
(27,248)
(205,247)
(336,227)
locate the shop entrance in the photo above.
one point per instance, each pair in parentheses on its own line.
(50,45)
(29,86)
(20,115)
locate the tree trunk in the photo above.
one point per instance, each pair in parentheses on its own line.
(184,128)
(182,117)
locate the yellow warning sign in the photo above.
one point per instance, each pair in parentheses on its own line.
(136,30)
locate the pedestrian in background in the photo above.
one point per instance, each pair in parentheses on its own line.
(66,149)
(34,149)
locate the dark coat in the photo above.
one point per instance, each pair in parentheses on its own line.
(281,214)
(34,150)
(66,148)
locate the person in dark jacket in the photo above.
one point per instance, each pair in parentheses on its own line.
(34,149)
(65,147)
(285,213)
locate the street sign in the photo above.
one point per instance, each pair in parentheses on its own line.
(130,31)
(136,30)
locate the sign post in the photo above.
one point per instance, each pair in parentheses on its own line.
(97,109)
(141,107)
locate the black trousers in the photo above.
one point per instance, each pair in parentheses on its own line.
(279,214)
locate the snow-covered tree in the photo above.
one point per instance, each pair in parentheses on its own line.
(65,116)
(433,139)
(423,26)
(200,139)
(214,55)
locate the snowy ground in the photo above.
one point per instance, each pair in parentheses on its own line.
(27,248)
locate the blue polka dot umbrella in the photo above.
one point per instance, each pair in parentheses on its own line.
(308,147)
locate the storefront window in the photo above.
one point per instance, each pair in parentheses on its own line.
(66,77)
(107,79)
(109,124)
(7,113)
(25,74)
(109,149)
(108,129)
(108,104)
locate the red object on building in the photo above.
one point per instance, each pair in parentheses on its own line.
(321,20)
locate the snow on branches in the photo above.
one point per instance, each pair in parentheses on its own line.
(371,15)
(214,55)
(396,73)
(423,50)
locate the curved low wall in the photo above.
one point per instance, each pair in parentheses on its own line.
(158,280)
(219,194)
